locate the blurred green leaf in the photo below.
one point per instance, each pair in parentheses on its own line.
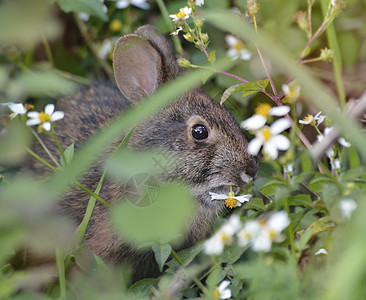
(229,91)
(91,7)
(255,203)
(162,221)
(39,82)
(317,183)
(212,56)
(141,289)
(272,185)
(302,200)
(162,253)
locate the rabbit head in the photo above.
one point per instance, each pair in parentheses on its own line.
(208,147)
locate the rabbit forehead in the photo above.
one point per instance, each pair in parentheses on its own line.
(201,108)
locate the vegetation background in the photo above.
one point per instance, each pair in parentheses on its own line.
(49,50)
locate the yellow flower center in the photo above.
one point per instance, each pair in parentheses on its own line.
(181,14)
(216,293)
(43,117)
(263,109)
(266,133)
(225,238)
(272,234)
(308,117)
(28,106)
(115,25)
(230,202)
(239,45)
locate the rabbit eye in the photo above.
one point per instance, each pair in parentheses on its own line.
(199,132)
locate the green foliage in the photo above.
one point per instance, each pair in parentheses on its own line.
(43,57)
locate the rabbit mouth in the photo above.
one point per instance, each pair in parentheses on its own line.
(225,189)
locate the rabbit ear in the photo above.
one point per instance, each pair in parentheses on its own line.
(164,47)
(138,67)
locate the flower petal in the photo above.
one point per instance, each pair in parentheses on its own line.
(57,115)
(231,40)
(279,110)
(215,196)
(33,114)
(31,122)
(254,146)
(243,198)
(49,109)
(245,54)
(122,4)
(280,125)
(254,122)
(223,285)
(278,221)
(281,142)
(141,4)
(47,126)
(344,143)
(271,149)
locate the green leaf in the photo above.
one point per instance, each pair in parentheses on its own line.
(249,89)
(271,186)
(212,56)
(302,200)
(163,221)
(91,7)
(162,253)
(301,243)
(317,183)
(262,83)
(141,289)
(229,91)
(69,155)
(255,203)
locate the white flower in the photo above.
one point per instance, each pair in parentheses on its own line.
(45,118)
(262,112)
(270,138)
(337,164)
(237,48)
(249,231)
(222,291)
(330,153)
(347,206)
(231,200)
(200,2)
(310,119)
(138,3)
(291,90)
(105,49)
(288,168)
(224,236)
(321,251)
(270,231)
(183,14)
(16,108)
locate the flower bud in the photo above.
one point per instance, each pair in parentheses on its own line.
(183,63)
(204,37)
(189,37)
(301,19)
(326,54)
(199,23)
(115,25)
(252,7)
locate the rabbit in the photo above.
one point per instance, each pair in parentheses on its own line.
(209,147)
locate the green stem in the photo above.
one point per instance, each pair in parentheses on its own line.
(39,158)
(59,146)
(45,147)
(61,272)
(47,49)
(85,189)
(80,231)
(195,280)
(169,23)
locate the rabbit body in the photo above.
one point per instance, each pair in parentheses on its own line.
(142,62)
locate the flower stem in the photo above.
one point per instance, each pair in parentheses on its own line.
(195,280)
(45,147)
(59,146)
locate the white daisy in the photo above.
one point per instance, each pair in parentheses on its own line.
(200,2)
(270,139)
(231,200)
(262,112)
(347,206)
(270,231)
(314,120)
(16,108)
(237,48)
(138,3)
(222,292)
(224,236)
(248,232)
(291,90)
(183,14)
(44,118)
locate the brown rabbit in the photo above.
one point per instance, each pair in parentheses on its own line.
(209,148)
